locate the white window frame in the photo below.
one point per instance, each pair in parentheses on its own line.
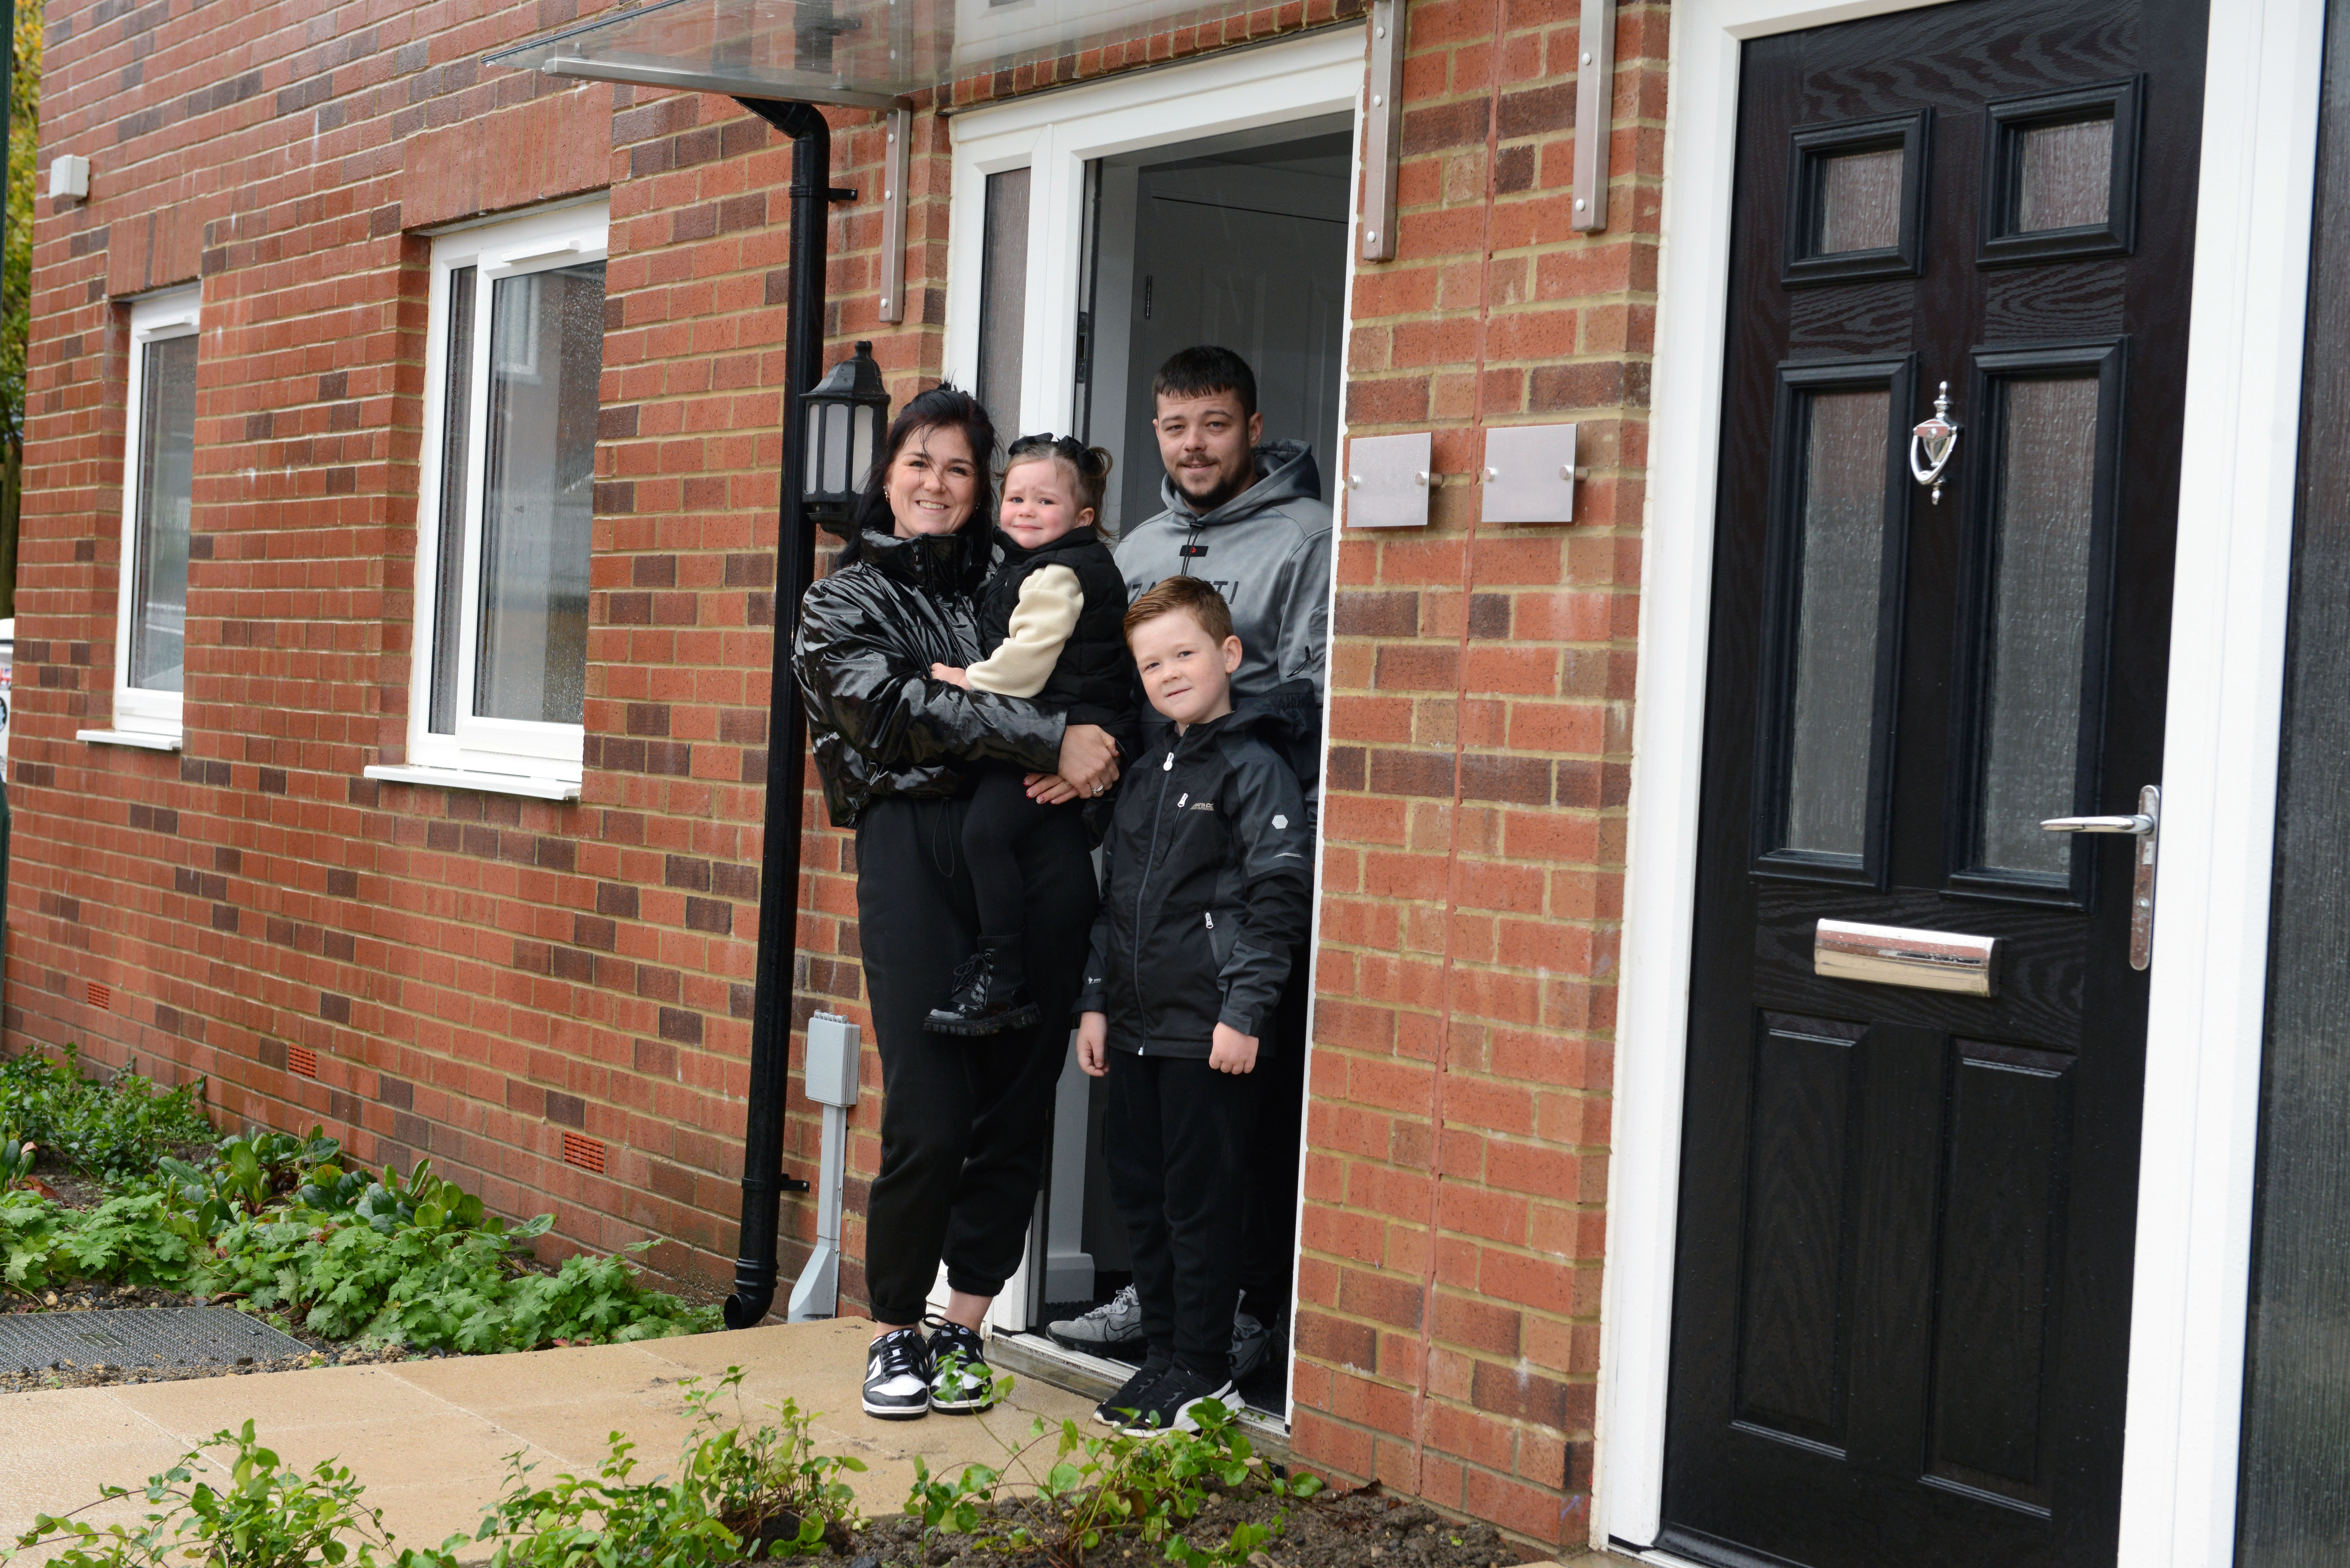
(503,755)
(142,718)
(1056,135)
(2207,1012)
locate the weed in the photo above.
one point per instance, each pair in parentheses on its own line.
(262,1515)
(1105,1490)
(768,1495)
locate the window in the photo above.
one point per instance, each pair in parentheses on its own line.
(157,487)
(504,522)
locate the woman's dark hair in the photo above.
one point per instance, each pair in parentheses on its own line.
(1089,465)
(943,407)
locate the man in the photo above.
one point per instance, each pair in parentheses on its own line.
(1247,516)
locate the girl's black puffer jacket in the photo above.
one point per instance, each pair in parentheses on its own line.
(880,725)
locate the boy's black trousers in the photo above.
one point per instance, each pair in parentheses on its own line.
(964,1122)
(1176,1135)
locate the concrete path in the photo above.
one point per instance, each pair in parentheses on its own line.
(430,1440)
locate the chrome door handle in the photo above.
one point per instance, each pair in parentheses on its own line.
(2139,823)
(2146,824)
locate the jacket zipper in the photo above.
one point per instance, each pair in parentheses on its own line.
(1142,887)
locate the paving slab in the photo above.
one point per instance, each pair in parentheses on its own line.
(433,1439)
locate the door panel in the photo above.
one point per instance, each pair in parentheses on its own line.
(1902,1284)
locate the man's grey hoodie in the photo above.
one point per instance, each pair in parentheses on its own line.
(1267,551)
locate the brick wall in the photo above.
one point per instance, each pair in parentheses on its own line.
(1481,738)
(478,974)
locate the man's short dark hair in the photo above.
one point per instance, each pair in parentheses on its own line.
(1205,369)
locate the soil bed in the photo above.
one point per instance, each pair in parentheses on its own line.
(1327,1532)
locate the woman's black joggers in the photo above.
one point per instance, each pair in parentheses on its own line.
(965,1120)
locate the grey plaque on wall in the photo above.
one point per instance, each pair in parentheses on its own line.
(1388,481)
(1529,474)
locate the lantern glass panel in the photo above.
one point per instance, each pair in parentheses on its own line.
(868,440)
(836,448)
(812,460)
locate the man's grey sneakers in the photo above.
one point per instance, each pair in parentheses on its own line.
(898,1375)
(1135,1396)
(960,1382)
(1250,1342)
(1117,1321)
(1173,1404)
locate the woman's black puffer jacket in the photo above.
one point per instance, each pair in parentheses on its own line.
(880,726)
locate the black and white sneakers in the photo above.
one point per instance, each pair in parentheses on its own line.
(960,1382)
(1171,1403)
(898,1375)
(1134,1396)
(907,1375)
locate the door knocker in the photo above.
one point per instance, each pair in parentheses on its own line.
(1931,444)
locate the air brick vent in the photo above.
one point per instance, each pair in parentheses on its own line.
(587,1153)
(99,996)
(302,1061)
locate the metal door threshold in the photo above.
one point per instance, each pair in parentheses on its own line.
(1097,1377)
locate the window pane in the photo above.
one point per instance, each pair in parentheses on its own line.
(1003,299)
(2039,585)
(1860,202)
(2064,175)
(546,351)
(1842,544)
(167,462)
(457,422)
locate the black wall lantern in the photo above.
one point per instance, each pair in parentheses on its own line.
(847,415)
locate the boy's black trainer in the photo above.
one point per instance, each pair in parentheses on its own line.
(898,1375)
(991,993)
(1171,1403)
(1134,1395)
(961,1380)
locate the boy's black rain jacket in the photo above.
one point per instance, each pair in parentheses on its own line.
(1207,874)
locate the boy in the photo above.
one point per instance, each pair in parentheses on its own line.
(1205,893)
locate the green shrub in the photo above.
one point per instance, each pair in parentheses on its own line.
(289,1224)
(115,1131)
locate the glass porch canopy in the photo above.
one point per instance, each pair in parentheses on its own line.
(863,53)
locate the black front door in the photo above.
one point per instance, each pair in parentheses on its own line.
(1908,1199)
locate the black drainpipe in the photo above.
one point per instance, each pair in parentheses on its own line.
(779,869)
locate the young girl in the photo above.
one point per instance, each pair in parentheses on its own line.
(1050,617)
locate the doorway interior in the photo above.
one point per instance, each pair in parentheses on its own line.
(1238,240)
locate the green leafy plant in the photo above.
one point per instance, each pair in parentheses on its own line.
(138,1240)
(771,1487)
(117,1131)
(765,1495)
(1113,1489)
(248,1511)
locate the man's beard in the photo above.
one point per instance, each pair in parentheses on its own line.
(1225,489)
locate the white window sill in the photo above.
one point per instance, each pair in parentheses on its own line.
(487,784)
(142,738)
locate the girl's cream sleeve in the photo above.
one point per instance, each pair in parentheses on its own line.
(1041,622)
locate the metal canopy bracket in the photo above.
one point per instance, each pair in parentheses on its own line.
(1383,131)
(1595,113)
(894,162)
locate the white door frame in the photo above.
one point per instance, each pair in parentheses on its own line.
(2208,978)
(1055,135)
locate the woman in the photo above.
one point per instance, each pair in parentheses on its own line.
(964,1121)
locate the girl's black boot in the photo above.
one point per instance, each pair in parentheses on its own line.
(991,993)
